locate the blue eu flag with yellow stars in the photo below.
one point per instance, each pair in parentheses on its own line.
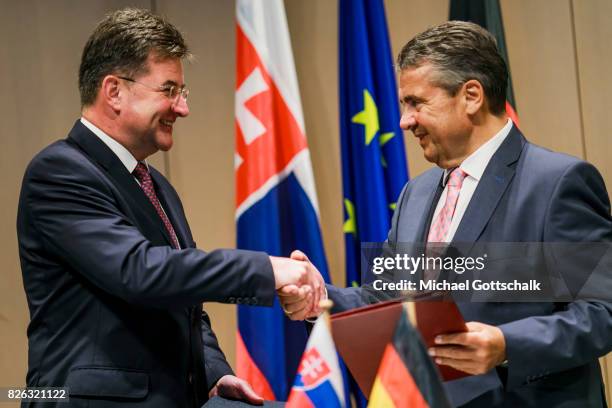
(373,158)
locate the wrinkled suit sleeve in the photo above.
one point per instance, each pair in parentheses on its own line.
(76,213)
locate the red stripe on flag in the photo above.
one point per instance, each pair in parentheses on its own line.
(510,111)
(298,399)
(398,382)
(248,370)
(270,152)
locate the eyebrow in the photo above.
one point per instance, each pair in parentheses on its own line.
(413,98)
(172,83)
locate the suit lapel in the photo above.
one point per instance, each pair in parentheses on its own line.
(494,182)
(414,221)
(148,219)
(428,211)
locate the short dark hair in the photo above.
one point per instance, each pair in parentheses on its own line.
(121,43)
(460,51)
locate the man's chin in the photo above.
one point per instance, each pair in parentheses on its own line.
(165,144)
(430,157)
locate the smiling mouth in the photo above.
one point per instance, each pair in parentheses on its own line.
(167,123)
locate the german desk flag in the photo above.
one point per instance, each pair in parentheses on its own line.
(407,377)
(487,14)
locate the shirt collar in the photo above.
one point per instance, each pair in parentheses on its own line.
(123,154)
(476,163)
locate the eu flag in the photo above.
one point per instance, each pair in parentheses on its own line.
(373,158)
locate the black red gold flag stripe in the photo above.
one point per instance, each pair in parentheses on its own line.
(487,14)
(407,377)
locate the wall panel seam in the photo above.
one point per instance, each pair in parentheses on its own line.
(578,83)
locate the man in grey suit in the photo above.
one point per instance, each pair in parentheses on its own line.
(113,279)
(492,185)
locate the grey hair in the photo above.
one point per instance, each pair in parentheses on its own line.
(460,51)
(121,43)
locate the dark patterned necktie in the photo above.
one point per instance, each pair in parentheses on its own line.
(142,174)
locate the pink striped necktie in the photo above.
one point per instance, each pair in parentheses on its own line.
(439,228)
(142,174)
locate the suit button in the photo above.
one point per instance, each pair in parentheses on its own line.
(239,300)
(190,378)
(253,301)
(232,300)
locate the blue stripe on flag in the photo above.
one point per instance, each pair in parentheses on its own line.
(324,395)
(283,220)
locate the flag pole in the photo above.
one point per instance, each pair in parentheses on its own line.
(410,309)
(326,305)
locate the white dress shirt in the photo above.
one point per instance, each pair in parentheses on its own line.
(120,151)
(474,166)
(124,155)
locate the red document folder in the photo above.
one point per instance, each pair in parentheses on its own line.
(362,334)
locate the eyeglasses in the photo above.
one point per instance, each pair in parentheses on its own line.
(172,92)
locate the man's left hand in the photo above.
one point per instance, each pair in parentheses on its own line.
(476,351)
(235,388)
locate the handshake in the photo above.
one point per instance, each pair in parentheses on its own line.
(299,285)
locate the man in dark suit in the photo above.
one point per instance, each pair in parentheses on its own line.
(113,280)
(492,185)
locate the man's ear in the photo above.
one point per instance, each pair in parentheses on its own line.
(111,92)
(474,96)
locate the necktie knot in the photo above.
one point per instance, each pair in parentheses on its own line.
(141,172)
(456,177)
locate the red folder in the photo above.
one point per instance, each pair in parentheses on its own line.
(362,334)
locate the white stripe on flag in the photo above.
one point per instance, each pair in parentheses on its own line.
(265,25)
(321,338)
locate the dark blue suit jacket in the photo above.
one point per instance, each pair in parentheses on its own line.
(526,194)
(116,312)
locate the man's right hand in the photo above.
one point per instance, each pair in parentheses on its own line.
(289,271)
(296,302)
(301,300)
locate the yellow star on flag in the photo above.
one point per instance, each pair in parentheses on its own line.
(368,117)
(350,225)
(384,138)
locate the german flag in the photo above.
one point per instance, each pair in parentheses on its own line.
(407,377)
(487,14)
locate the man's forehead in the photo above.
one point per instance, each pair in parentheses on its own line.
(166,68)
(417,73)
(414,79)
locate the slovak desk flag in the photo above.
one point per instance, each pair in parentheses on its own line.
(318,382)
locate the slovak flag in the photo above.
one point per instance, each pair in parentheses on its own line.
(318,382)
(276,201)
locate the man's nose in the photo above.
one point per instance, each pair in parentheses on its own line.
(407,120)
(180,107)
